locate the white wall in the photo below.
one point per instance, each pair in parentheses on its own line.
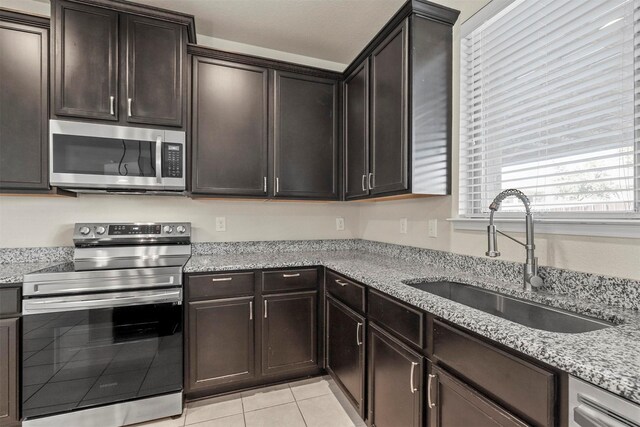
(48,221)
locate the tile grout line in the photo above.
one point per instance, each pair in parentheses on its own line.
(244,417)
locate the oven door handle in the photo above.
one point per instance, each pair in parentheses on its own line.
(159,159)
(73,303)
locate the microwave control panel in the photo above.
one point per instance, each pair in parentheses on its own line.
(172,160)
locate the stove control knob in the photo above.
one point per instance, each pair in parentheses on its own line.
(181,229)
(100,230)
(168,229)
(85,230)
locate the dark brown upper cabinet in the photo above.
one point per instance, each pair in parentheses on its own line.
(407,133)
(305,136)
(155,53)
(229,128)
(112,63)
(356,132)
(389,101)
(85,61)
(24,43)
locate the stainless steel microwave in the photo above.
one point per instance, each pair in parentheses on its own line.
(117,158)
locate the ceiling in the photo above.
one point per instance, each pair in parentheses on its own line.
(329,30)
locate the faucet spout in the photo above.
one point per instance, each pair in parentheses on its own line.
(531,277)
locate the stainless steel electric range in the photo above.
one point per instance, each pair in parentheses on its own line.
(102,335)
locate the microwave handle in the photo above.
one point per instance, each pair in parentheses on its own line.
(159,159)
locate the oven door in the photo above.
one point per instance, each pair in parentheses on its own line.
(93,350)
(96,156)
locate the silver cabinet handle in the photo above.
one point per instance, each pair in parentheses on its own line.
(222,279)
(429,401)
(364,182)
(265,309)
(358,333)
(250,310)
(370,181)
(291,275)
(264,185)
(129,102)
(112,107)
(413,367)
(341,283)
(277,185)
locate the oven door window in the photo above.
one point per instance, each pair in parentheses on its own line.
(86,358)
(103,156)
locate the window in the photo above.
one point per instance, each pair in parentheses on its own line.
(550,104)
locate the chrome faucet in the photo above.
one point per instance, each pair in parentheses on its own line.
(531,277)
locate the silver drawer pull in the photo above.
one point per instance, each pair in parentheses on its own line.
(364,182)
(358,332)
(291,275)
(413,367)
(370,181)
(222,279)
(129,102)
(429,401)
(112,107)
(341,283)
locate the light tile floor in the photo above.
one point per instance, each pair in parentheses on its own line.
(314,402)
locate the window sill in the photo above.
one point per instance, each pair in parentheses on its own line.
(627,228)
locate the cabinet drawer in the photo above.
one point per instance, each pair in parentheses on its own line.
(525,389)
(405,321)
(289,280)
(10,301)
(221,285)
(346,291)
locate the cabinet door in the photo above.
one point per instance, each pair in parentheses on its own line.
(345,351)
(289,332)
(23,107)
(395,382)
(155,53)
(220,342)
(86,61)
(305,140)
(389,104)
(356,132)
(9,372)
(454,404)
(230,128)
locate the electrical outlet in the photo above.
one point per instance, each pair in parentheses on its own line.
(340,224)
(221,223)
(433,228)
(403,225)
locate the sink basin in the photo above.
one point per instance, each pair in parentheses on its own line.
(516,310)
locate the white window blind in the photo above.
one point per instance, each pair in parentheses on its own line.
(550,102)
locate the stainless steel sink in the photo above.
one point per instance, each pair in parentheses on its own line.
(520,311)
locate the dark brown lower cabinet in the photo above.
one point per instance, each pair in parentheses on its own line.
(289,332)
(221,341)
(346,351)
(395,381)
(9,414)
(455,404)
